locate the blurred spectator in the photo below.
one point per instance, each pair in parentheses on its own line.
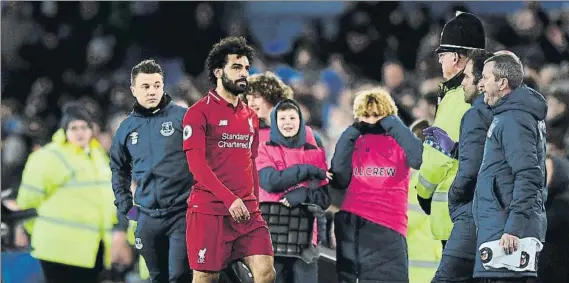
(72,167)
(557,122)
(393,76)
(555,254)
(426,107)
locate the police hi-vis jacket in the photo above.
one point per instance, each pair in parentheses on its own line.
(424,252)
(438,169)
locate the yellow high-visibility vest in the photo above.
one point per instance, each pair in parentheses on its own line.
(72,192)
(424,251)
(438,170)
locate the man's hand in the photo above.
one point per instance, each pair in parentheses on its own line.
(21,237)
(239,211)
(121,253)
(11,204)
(329,175)
(509,243)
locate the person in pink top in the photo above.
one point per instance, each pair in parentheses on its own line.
(292,177)
(371,162)
(264,92)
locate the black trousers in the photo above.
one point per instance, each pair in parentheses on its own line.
(367,252)
(454,270)
(61,273)
(162,243)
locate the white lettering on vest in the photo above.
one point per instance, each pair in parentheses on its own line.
(374,171)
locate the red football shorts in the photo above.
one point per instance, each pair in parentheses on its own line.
(214,241)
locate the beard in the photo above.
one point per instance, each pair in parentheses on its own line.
(233,87)
(470,95)
(490,100)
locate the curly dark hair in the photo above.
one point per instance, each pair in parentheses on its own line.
(217,57)
(269,86)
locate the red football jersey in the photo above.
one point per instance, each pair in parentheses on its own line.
(221,142)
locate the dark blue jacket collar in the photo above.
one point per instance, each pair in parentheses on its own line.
(138,110)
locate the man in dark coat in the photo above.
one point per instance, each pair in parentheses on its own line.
(457,263)
(509,201)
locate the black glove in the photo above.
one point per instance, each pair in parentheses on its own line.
(425,204)
(316,172)
(366,128)
(296,196)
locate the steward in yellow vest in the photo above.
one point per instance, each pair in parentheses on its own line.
(69,183)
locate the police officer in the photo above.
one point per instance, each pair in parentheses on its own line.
(461,34)
(147,149)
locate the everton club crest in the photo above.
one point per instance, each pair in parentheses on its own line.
(167,129)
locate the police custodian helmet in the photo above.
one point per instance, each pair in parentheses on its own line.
(463,32)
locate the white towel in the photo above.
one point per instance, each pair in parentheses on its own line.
(524,259)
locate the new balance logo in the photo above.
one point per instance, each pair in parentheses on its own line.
(223,122)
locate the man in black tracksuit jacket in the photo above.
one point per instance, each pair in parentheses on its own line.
(147,149)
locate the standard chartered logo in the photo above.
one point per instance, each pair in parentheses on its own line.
(235,141)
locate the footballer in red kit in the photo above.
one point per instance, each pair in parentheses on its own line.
(229,136)
(221,138)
